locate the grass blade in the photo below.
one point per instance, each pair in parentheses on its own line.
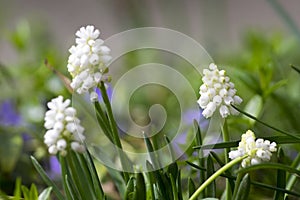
(296,69)
(115,135)
(296,136)
(95,178)
(235,143)
(140,189)
(46,179)
(180,196)
(162,190)
(219,161)
(129,189)
(174,188)
(292,178)
(211,188)
(65,174)
(244,188)
(45,194)
(81,176)
(103,121)
(72,189)
(153,156)
(191,187)
(281,177)
(201,159)
(269,166)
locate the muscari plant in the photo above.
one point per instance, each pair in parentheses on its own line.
(65,138)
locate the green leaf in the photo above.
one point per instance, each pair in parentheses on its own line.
(33,193)
(3,196)
(211,188)
(274,188)
(95,178)
(173,170)
(274,87)
(196,166)
(173,186)
(103,121)
(244,188)
(191,187)
(17,191)
(45,194)
(158,179)
(46,179)
(254,107)
(151,152)
(269,165)
(129,189)
(292,178)
(296,136)
(69,190)
(125,162)
(26,193)
(201,159)
(220,145)
(281,177)
(140,188)
(227,173)
(10,150)
(171,150)
(20,38)
(296,69)
(116,176)
(7,76)
(277,139)
(80,176)
(180,194)
(151,184)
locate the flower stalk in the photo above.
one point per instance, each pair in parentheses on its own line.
(115,135)
(216,175)
(226,151)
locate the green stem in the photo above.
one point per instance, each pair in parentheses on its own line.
(215,175)
(112,122)
(115,135)
(292,178)
(237,184)
(226,151)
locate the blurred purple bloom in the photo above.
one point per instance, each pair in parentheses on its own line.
(109,91)
(54,167)
(8,114)
(190,115)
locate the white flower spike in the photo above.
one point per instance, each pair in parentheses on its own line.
(88,60)
(257,150)
(217,93)
(64,129)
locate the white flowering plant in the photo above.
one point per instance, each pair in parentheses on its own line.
(202,171)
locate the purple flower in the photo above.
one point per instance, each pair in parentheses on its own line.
(54,170)
(190,115)
(109,91)
(8,114)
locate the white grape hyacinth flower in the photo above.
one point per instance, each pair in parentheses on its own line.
(258,151)
(88,61)
(217,93)
(63,128)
